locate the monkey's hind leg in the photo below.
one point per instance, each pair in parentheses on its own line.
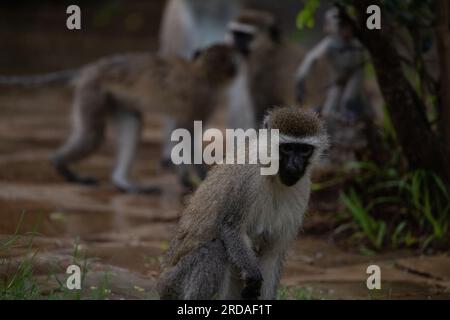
(88,131)
(198,276)
(129,128)
(208,266)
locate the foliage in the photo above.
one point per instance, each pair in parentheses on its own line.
(387,202)
(294,293)
(21,284)
(305,18)
(391,206)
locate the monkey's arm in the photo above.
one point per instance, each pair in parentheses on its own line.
(311,58)
(271,261)
(240,253)
(308,62)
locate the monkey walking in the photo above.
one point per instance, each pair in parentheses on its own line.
(123,86)
(347,58)
(130,85)
(259,83)
(232,238)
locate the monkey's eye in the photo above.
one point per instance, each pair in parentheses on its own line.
(306,149)
(286,148)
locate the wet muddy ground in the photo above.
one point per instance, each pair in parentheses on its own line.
(124,236)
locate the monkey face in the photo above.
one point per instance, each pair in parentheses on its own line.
(294,159)
(252,29)
(242,41)
(331,25)
(246,41)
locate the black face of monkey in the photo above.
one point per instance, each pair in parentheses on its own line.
(242,41)
(294,158)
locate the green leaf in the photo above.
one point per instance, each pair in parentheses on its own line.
(305,18)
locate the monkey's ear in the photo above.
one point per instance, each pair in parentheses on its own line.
(197,54)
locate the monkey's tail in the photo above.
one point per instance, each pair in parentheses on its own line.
(52,78)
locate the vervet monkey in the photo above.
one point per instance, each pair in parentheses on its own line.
(347,58)
(189,25)
(271,60)
(131,85)
(232,238)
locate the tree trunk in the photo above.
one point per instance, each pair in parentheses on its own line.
(441,7)
(420,145)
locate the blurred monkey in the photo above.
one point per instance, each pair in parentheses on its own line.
(189,25)
(347,59)
(131,85)
(271,60)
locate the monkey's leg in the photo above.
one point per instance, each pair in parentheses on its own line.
(170,283)
(332,100)
(351,105)
(207,267)
(89,121)
(271,265)
(232,285)
(197,276)
(129,127)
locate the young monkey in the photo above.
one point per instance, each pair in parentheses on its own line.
(233,236)
(133,84)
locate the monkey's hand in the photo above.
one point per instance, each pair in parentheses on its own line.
(300,91)
(252,286)
(238,247)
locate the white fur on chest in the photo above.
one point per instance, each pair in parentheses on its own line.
(241,114)
(281,213)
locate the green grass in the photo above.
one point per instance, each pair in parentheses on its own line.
(388,204)
(373,229)
(19,281)
(294,293)
(391,209)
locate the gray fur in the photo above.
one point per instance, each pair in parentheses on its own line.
(129,86)
(253,217)
(347,58)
